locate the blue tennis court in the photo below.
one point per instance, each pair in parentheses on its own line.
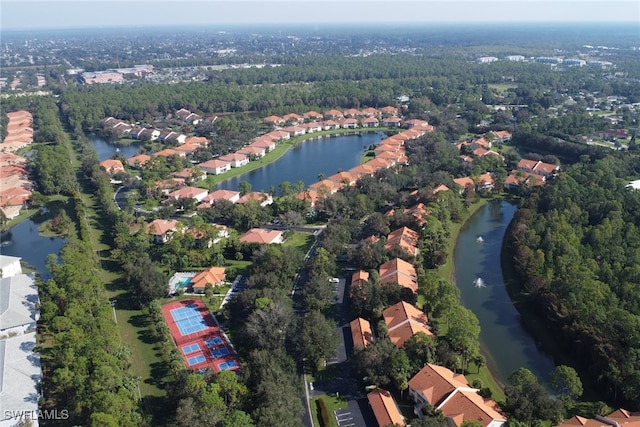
(196,359)
(227,365)
(191,348)
(223,351)
(188,319)
(212,342)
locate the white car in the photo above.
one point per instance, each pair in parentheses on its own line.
(334,280)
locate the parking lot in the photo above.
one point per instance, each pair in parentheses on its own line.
(344,417)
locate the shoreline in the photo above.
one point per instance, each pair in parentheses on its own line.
(282,148)
(485,374)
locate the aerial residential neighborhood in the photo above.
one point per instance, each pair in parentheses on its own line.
(319,223)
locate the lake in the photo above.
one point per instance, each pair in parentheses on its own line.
(25,241)
(324,155)
(505,343)
(107,150)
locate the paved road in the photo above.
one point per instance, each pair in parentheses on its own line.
(357,413)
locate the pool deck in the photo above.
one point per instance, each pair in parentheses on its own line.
(176,278)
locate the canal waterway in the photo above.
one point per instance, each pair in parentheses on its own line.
(25,241)
(306,161)
(505,343)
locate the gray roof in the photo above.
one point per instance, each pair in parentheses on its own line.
(20,374)
(18,298)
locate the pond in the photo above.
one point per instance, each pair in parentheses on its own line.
(107,150)
(505,343)
(25,241)
(306,161)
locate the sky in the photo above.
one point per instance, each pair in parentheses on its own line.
(49,14)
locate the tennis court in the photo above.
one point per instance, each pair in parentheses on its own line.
(212,342)
(196,359)
(223,351)
(191,348)
(188,319)
(227,365)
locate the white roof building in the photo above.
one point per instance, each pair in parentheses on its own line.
(20,370)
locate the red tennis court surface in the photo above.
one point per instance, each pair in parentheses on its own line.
(206,347)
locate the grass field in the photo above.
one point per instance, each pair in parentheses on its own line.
(302,241)
(331,403)
(502,87)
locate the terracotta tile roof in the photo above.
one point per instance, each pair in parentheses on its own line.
(467,405)
(112,166)
(159,227)
(342,177)
(254,195)
(311,196)
(261,235)
(273,119)
(435,383)
(333,113)
(214,164)
(464,182)
(385,409)
(256,151)
(359,276)
(167,152)
(138,160)
(213,275)
(405,238)
(361,332)
(222,195)
(401,313)
(326,185)
(189,193)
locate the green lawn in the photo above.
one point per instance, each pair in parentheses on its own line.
(502,87)
(302,241)
(331,403)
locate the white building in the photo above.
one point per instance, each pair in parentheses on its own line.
(20,370)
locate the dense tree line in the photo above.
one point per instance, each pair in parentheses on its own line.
(576,247)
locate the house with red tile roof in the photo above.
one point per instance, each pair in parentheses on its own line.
(451,393)
(419,212)
(329,125)
(349,123)
(399,271)
(464,182)
(162,230)
(352,112)
(415,122)
(312,127)
(385,408)
(405,239)
(310,196)
(236,160)
(326,186)
(252,151)
(189,193)
(215,276)
(215,166)
(187,148)
(138,161)
(389,110)
(265,143)
(274,120)
(263,199)
(190,174)
(232,196)
(361,333)
(371,112)
(502,136)
(278,135)
(363,169)
(618,418)
(485,182)
(199,141)
(168,152)
(465,404)
(262,236)
(392,122)
(403,321)
(347,178)
(519,178)
(112,166)
(295,130)
(358,277)
(293,118)
(370,122)
(333,114)
(312,115)
(537,167)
